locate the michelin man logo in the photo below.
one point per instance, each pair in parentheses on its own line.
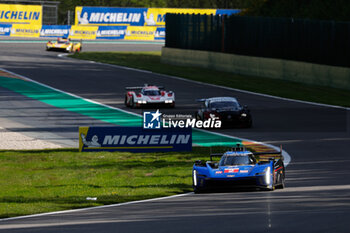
(84,19)
(149,21)
(92,143)
(151,120)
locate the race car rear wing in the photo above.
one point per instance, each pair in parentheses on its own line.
(241,148)
(133,88)
(145,85)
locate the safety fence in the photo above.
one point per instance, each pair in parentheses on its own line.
(322,42)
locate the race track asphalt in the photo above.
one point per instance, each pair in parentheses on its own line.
(317,193)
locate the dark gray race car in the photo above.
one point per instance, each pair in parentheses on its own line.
(227,109)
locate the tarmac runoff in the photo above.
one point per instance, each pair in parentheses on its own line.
(73,103)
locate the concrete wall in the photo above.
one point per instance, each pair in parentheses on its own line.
(303,72)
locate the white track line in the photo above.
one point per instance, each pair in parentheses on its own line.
(93,208)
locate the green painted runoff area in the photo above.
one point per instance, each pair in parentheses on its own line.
(100,112)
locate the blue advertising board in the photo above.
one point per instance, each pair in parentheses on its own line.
(110,16)
(227,11)
(5,29)
(111,32)
(134,139)
(160,33)
(54,31)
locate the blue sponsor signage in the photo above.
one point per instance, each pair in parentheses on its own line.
(54,31)
(160,33)
(227,11)
(5,29)
(134,139)
(111,32)
(110,16)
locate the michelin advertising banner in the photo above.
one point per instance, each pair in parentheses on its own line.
(117,16)
(54,31)
(134,139)
(23,30)
(111,32)
(81,32)
(84,32)
(20,14)
(94,22)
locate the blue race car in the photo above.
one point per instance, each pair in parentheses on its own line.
(239,168)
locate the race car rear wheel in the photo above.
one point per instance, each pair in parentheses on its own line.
(126,101)
(132,104)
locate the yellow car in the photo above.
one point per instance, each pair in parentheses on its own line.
(64,44)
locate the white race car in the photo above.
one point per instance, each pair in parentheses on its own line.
(148,95)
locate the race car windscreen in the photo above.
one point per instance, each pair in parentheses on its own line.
(229,160)
(223,104)
(151,92)
(62,42)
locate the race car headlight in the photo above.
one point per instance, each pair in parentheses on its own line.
(268,176)
(244,114)
(194,177)
(141,102)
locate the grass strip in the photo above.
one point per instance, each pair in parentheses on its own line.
(37,181)
(151,61)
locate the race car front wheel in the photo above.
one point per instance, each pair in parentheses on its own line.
(280,182)
(132,104)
